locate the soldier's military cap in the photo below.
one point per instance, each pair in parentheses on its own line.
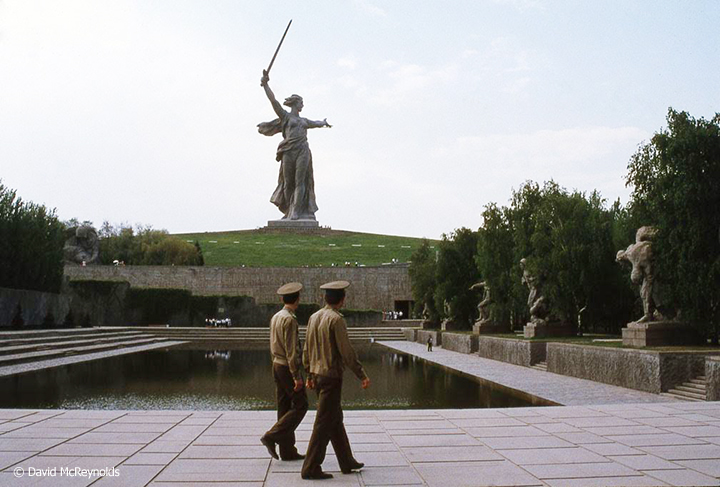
(289,288)
(335,285)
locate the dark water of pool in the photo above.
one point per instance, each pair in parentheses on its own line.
(218,378)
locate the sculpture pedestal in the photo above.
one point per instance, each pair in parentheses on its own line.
(449,325)
(428,325)
(542,330)
(488,328)
(293,224)
(658,334)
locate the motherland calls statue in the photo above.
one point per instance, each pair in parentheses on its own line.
(295,192)
(640,255)
(82,245)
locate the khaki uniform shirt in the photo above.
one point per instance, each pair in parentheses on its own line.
(327,347)
(284,342)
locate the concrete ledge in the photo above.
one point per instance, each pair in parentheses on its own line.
(421,336)
(712,375)
(460,342)
(410,334)
(643,370)
(518,352)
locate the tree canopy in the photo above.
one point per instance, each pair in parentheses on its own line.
(31,254)
(676,188)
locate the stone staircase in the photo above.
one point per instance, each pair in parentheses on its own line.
(22,351)
(694,390)
(36,347)
(540,366)
(258,334)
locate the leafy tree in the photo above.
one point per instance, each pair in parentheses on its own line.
(676,186)
(422,279)
(496,262)
(456,271)
(573,245)
(145,246)
(171,251)
(31,254)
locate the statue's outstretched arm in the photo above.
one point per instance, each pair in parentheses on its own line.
(271,96)
(314,124)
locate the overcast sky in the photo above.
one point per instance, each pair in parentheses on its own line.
(146,112)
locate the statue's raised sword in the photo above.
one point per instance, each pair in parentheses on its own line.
(267,71)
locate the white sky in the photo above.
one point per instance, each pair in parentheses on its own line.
(146,112)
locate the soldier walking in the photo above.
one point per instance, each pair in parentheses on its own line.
(326,354)
(292,400)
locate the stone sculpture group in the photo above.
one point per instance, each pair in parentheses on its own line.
(82,245)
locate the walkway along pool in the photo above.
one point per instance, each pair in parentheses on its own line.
(216,377)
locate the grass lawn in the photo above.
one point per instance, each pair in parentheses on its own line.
(280,248)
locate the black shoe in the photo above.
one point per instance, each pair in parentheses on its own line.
(353,466)
(290,458)
(317,476)
(270,445)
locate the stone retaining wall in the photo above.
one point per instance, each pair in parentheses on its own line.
(409,334)
(460,342)
(643,370)
(374,288)
(35,307)
(421,336)
(518,352)
(712,375)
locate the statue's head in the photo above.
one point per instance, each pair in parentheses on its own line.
(87,236)
(645,234)
(294,101)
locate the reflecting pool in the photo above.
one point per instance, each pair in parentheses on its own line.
(215,377)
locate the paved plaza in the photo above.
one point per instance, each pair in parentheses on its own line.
(644,444)
(553,388)
(605,436)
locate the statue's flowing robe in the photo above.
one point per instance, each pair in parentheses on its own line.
(292,150)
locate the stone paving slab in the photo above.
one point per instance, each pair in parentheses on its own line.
(674,451)
(554,388)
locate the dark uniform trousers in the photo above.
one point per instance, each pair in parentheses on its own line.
(328,427)
(292,407)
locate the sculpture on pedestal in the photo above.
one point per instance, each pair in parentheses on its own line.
(483,307)
(82,245)
(537,304)
(450,321)
(655,327)
(295,192)
(640,255)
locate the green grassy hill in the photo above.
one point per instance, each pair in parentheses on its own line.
(280,248)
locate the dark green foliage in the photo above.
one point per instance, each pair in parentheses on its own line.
(497,264)
(456,271)
(198,250)
(31,253)
(158,305)
(17,321)
(49,321)
(423,280)
(573,250)
(87,288)
(676,188)
(145,246)
(568,239)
